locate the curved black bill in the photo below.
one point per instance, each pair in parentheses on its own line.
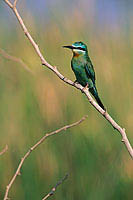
(68,46)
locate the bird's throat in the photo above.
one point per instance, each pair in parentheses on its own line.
(76,54)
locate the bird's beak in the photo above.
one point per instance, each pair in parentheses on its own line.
(68,46)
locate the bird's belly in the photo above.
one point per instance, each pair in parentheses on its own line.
(81,76)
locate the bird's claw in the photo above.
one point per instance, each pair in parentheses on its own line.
(86,87)
(75,82)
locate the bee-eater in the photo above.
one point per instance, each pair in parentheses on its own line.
(83,69)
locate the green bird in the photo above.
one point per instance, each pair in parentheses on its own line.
(83,69)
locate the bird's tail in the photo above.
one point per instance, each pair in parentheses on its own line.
(94,92)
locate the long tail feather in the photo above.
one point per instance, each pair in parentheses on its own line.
(95,94)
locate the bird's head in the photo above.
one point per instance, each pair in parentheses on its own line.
(78,48)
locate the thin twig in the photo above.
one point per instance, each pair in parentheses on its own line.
(33,148)
(15,3)
(4,150)
(78,86)
(13,58)
(55,187)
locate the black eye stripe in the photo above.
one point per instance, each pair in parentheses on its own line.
(80,48)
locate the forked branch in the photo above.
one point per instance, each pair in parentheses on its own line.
(34,147)
(13,58)
(4,150)
(78,86)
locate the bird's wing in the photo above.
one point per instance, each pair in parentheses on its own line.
(90,71)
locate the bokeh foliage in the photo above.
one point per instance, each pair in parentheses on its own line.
(98,164)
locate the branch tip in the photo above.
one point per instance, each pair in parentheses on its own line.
(55,187)
(4,150)
(14,4)
(86,116)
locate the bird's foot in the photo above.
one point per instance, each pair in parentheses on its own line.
(86,87)
(75,82)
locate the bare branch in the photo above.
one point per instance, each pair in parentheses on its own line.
(34,147)
(55,187)
(15,2)
(8,3)
(78,86)
(13,58)
(4,150)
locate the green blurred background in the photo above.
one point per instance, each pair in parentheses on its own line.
(98,164)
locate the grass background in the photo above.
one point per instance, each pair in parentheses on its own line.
(98,164)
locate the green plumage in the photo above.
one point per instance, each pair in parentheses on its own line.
(83,69)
